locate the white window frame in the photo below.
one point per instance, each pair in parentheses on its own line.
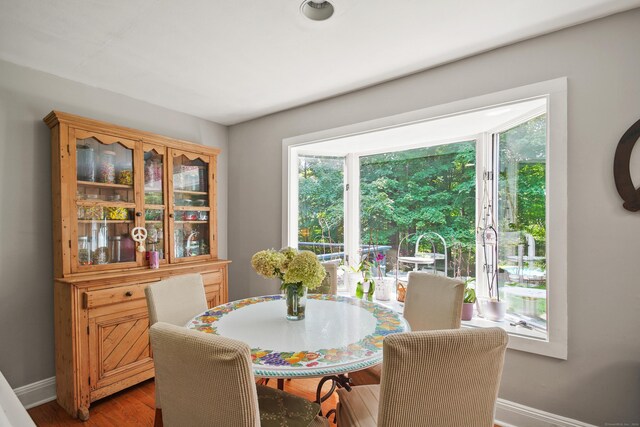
(555,91)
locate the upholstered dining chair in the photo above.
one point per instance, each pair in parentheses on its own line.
(174,300)
(330,283)
(207,380)
(432,302)
(442,378)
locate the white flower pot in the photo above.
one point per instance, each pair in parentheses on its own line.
(494,310)
(383,289)
(353,279)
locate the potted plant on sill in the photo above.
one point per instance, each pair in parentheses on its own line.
(468,303)
(492,308)
(365,286)
(382,291)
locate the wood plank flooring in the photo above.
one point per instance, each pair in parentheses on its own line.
(135,406)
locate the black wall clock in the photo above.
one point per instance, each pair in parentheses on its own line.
(621,169)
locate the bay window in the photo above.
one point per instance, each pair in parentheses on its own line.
(479,195)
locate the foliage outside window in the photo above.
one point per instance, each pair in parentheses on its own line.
(522,237)
(418,191)
(321,206)
(428,196)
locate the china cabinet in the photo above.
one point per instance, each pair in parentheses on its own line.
(109,183)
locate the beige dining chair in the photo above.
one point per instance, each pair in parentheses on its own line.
(175,300)
(207,380)
(442,378)
(432,302)
(330,283)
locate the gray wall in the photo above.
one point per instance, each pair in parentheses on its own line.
(26,269)
(600,382)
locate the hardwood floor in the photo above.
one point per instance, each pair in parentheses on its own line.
(135,406)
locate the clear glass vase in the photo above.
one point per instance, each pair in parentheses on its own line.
(296,299)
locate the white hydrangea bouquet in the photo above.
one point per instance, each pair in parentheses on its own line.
(298,271)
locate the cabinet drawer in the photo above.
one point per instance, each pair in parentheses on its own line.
(212,278)
(93,299)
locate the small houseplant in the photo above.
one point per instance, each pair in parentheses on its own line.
(365,286)
(297,270)
(468,303)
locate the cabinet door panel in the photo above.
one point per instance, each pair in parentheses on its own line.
(119,347)
(104,203)
(155,200)
(192,206)
(213,299)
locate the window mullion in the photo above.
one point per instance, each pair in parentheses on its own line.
(292,226)
(486,235)
(352,208)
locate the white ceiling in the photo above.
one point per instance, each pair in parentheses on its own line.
(231,61)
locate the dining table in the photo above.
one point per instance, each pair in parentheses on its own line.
(339,334)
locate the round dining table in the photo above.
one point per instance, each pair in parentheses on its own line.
(339,334)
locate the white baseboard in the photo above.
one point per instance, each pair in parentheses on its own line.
(511,414)
(508,414)
(37,393)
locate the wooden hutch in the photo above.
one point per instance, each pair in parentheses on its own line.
(107,180)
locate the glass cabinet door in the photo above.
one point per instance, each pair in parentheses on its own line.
(105,201)
(154,200)
(191,206)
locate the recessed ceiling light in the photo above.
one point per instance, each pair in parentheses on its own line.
(317,10)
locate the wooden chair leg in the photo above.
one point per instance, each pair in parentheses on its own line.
(157,421)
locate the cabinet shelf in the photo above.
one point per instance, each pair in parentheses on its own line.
(192,208)
(153,221)
(105,185)
(106,203)
(105,221)
(191,222)
(197,193)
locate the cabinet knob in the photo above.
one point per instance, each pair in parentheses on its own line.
(128,294)
(138,213)
(170,215)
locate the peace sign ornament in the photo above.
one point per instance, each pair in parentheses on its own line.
(139,235)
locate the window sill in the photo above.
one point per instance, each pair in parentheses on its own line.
(520,338)
(524,339)
(520,331)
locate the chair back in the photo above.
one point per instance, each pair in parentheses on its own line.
(445,378)
(204,379)
(433,302)
(176,300)
(329,284)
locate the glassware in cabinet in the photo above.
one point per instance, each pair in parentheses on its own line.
(105,199)
(191,205)
(154,198)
